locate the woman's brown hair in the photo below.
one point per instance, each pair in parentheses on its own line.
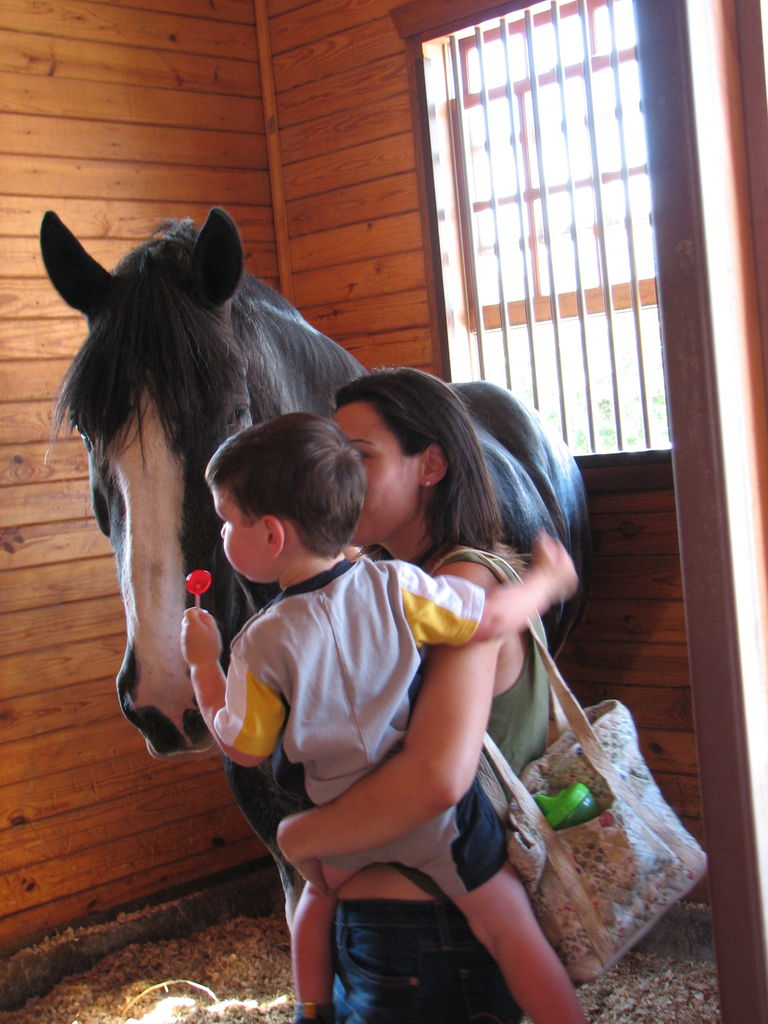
(420,410)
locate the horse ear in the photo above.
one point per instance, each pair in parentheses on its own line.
(217,262)
(76,276)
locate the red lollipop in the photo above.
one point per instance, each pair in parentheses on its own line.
(198,582)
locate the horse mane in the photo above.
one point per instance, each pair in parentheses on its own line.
(152,336)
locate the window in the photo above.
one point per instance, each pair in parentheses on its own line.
(543,203)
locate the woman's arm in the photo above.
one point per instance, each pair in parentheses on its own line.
(434,769)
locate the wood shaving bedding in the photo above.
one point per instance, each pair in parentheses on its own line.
(238,972)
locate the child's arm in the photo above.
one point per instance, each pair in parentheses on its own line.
(550,579)
(201,649)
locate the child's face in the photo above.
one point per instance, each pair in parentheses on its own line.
(245,540)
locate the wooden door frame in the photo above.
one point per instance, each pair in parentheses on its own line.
(689,60)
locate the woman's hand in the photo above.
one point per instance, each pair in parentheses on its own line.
(294,836)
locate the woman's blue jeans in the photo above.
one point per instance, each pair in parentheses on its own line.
(411,962)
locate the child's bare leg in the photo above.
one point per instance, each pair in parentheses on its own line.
(500,915)
(312,945)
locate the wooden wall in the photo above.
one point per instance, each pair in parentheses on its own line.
(630,644)
(349,174)
(115,116)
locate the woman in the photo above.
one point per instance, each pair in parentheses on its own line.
(402,953)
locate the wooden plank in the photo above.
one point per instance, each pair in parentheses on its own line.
(35,96)
(29,380)
(113,860)
(46,586)
(114,865)
(669,751)
(648,621)
(50,338)
(362,123)
(76,748)
(42,544)
(384,275)
(643,576)
(130,143)
(177,185)
(132,220)
(78,621)
(354,319)
(44,796)
(354,204)
(623,533)
(427,19)
(632,501)
(683,793)
(313,22)
(64,459)
(605,661)
(356,243)
(22,422)
(36,299)
(304,65)
(45,503)
(409,347)
(636,471)
(64,58)
(370,162)
(19,929)
(156,30)
(62,664)
(652,707)
(381,78)
(24,848)
(33,715)
(38,463)
(225,10)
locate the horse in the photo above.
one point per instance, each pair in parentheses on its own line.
(184,348)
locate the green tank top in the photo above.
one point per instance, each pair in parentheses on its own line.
(518,720)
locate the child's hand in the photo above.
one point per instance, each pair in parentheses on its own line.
(552,563)
(200,637)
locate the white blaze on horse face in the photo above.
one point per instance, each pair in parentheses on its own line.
(151,566)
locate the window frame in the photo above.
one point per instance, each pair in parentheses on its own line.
(420,22)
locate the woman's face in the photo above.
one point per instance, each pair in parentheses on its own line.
(398,484)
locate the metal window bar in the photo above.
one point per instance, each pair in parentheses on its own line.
(597,179)
(634,279)
(581,304)
(553,292)
(490,153)
(466,206)
(516,144)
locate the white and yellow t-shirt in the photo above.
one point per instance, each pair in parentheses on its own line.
(328,667)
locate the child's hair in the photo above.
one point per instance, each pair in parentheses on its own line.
(299,467)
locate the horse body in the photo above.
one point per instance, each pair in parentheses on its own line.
(184,349)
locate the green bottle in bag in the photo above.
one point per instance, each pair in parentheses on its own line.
(571,806)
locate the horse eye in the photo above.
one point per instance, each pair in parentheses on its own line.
(86,441)
(241,417)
